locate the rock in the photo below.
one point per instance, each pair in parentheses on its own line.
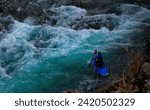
(136,90)
(45,3)
(147,51)
(148,91)
(5,25)
(1,9)
(147,85)
(72,91)
(34,9)
(96,22)
(146,69)
(5,22)
(1,27)
(143,1)
(105,9)
(90,4)
(118,91)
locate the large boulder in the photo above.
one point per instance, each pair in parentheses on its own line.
(5,22)
(96,22)
(34,9)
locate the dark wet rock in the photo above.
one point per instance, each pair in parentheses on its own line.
(72,91)
(1,9)
(45,3)
(105,9)
(34,9)
(147,85)
(118,91)
(146,69)
(5,23)
(15,8)
(90,4)
(137,1)
(21,9)
(148,91)
(96,22)
(147,51)
(66,2)
(143,1)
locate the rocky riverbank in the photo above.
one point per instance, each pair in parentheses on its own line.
(137,78)
(40,10)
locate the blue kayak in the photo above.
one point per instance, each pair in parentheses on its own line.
(101,69)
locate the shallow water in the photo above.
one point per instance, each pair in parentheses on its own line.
(54,59)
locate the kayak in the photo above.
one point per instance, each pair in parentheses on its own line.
(101,70)
(98,64)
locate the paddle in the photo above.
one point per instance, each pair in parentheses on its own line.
(91,60)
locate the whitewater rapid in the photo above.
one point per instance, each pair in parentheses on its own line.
(43,58)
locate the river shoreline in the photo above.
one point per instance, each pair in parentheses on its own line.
(137,79)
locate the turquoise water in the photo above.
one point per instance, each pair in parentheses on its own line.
(54,59)
(48,59)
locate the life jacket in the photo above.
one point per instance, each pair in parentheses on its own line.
(98,60)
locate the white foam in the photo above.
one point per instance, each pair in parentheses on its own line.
(3,73)
(133,16)
(66,15)
(30,21)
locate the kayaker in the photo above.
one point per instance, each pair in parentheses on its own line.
(98,63)
(97,59)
